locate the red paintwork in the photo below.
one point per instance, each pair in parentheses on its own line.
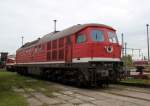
(10,61)
(43,52)
(141,62)
(96,49)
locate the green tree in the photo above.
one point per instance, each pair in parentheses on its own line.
(128,60)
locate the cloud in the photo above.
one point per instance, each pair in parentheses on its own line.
(33,19)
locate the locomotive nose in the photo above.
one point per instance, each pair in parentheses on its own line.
(112,50)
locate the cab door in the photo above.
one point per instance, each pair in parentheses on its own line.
(68,50)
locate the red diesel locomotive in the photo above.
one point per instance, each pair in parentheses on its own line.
(87,54)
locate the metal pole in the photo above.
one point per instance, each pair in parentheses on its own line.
(142,56)
(125,49)
(139,52)
(122,44)
(22,40)
(126,58)
(55,25)
(147,40)
(132,52)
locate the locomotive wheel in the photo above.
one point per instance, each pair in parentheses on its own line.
(114,76)
(80,80)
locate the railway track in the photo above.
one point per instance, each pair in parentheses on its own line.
(114,94)
(130,92)
(129,96)
(128,88)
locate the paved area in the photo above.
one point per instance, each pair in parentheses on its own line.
(71,96)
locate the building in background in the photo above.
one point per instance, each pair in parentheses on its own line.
(3,59)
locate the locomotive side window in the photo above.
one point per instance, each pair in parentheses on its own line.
(98,35)
(112,37)
(54,44)
(81,38)
(49,45)
(68,40)
(61,42)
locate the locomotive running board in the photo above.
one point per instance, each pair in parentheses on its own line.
(80,60)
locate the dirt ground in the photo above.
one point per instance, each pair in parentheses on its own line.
(115,95)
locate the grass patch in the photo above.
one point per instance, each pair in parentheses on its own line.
(7,96)
(10,81)
(137,81)
(10,98)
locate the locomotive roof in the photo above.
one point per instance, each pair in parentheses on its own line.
(66,32)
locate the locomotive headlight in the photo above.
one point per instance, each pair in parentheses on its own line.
(109,49)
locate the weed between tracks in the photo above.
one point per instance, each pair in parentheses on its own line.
(137,81)
(13,86)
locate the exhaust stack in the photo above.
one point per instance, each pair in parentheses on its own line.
(55,26)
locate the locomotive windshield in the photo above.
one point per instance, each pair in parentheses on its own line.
(98,35)
(112,37)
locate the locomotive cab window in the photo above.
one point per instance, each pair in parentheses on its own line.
(112,37)
(97,35)
(81,38)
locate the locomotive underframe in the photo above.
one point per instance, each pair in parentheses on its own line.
(91,73)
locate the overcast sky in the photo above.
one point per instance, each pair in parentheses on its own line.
(33,19)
